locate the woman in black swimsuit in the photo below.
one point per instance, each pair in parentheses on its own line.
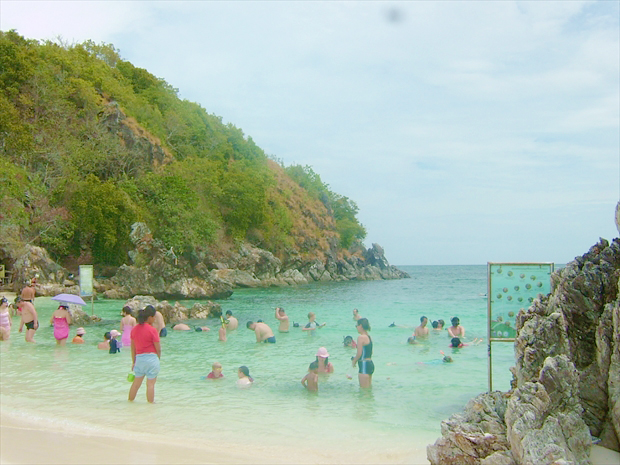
(364,354)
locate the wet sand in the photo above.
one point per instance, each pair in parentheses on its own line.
(24,442)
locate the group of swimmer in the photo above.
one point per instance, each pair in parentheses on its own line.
(456,332)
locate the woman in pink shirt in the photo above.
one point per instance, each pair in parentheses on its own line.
(145,354)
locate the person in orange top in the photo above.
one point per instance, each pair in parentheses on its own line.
(79,333)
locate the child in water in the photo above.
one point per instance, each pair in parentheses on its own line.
(5,319)
(349,342)
(216,371)
(79,336)
(115,345)
(245,380)
(311,380)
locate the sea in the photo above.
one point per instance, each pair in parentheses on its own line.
(82,388)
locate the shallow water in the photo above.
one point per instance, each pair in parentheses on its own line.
(84,387)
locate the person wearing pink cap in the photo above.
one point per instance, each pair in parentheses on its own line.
(322,358)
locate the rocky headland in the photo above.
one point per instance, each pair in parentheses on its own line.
(566,379)
(156,271)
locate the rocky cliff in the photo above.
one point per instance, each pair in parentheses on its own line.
(566,381)
(156,271)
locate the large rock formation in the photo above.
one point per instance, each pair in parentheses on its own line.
(162,273)
(566,379)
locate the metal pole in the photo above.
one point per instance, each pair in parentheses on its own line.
(489,326)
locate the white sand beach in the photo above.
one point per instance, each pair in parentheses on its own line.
(25,442)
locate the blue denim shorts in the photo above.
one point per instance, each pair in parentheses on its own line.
(146,365)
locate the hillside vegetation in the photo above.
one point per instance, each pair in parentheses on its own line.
(90,144)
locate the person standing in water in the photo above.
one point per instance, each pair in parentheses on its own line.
(159,323)
(5,319)
(363,358)
(233,323)
(311,380)
(145,354)
(29,317)
(322,360)
(127,324)
(456,330)
(262,331)
(61,319)
(356,314)
(283,318)
(422,330)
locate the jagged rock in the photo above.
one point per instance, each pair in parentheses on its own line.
(236,278)
(202,311)
(567,372)
(34,261)
(543,418)
(477,433)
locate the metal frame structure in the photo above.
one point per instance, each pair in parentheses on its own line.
(491,339)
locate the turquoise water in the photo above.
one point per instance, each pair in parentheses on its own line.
(83,386)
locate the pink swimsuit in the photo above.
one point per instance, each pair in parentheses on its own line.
(126,337)
(5,319)
(61,328)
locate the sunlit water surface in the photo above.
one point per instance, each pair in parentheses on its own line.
(84,387)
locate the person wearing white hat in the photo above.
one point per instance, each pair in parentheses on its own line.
(322,358)
(79,333)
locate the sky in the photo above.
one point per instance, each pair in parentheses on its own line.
(466,132)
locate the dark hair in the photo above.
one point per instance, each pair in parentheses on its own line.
(259,321)
(127,310)
(455,321)
(145,314)
(363,322)
(455,342)
(441,322)
(317,361)
(4,300)
(228,313)
(347,340)
(434,324)
(107,335)
(422,318)
(411,340)
(246,371)
(314,366)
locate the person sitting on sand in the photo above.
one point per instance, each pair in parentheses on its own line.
(456,330)
(311,380)
(322,358)
(422,330)
(79,336)
(216,371)
(245,380)
(105,344)
(262,331)
(312,324)
(181,327)
(283,318)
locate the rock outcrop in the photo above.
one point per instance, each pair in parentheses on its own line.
(566,381)
(160,272)
(177,312)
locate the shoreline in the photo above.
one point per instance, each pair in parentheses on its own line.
(61,444)
(57,444)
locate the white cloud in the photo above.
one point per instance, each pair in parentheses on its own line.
(433,121)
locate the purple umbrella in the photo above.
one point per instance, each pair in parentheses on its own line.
(69,298)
